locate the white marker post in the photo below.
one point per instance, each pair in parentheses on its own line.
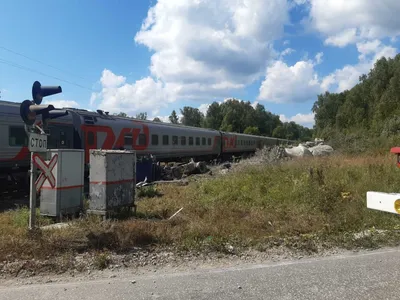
(32,195)
(37,144)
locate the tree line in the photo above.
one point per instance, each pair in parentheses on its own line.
(238,116)
(370,109)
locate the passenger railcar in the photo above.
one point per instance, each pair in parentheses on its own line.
(82,129)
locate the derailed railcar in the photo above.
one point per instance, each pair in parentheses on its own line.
(162,140)
(239,143)
(82,129)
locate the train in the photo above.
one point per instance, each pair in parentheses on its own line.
(83,129)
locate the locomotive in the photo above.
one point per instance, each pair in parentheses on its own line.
(83,129)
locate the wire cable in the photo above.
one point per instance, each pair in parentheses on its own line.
(38,61)
(10,63)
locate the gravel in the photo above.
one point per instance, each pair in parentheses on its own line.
(82,266)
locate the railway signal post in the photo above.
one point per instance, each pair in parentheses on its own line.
(37,138)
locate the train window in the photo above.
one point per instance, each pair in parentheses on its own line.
(128,139)
(174,140)
(209,141)
(142,139)
(197,141)
(203,141)
(90,138)
(17,136)
(190,141)
(154,139)
(183,140)
(165,140)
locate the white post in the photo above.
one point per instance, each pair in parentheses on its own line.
(32,195)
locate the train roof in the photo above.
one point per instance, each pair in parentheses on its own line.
(10,103)
(105,116)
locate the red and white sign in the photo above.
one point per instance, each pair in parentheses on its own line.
(47,170)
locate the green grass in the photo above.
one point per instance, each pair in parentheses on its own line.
(304,204)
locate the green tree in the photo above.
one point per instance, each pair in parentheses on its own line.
(252,130)
(157,119)
(370,108)
(214,116)
(141,116)
(192,116)
(173,118)
(279,132)
(121,114)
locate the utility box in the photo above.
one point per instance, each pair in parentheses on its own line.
(112,180)
(61,183)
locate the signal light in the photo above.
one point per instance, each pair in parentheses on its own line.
(29,109)
(39,91)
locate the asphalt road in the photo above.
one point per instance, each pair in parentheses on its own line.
(371,275)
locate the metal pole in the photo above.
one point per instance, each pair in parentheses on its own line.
(32,197)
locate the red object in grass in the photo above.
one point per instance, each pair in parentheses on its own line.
(396,150)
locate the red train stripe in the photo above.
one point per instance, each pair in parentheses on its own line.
(22,154)
(62,187)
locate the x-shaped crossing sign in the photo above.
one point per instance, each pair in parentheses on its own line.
(46,170)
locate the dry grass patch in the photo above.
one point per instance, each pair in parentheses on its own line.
(324,196)
(298,204)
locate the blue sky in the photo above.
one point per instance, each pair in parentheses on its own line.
(156,56)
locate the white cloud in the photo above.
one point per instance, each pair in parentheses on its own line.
(203,108)
(345,22)
(109,79)
(342,38)
(211,48)
(302,119)
(300,82)
(285,84)
(348,76)
(4,94)
(164,119)
(144,95)
(254,104)
(287,51)
(318,57)
(62,103)
(367,48)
